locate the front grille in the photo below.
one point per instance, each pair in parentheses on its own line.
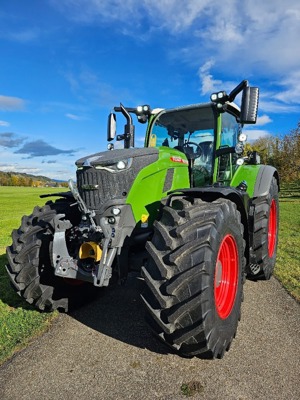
(104,186)
(97,186)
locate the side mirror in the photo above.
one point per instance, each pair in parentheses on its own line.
(249,105)
(111,127)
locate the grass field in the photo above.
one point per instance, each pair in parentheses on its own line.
(287,268)
(19,322)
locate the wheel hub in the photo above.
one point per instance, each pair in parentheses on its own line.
(218,275)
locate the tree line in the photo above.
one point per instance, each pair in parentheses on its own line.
(281,152)
(16,179)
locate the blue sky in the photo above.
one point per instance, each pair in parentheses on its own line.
(66,63)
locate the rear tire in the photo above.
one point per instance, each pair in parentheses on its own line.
(195,276)
(29,261)
(265,235)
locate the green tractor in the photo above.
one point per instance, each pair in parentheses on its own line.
(190,210)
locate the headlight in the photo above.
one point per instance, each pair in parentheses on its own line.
(242,137)
(240,161)
(116,211)
(120,165)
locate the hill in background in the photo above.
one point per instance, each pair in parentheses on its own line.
(22,179)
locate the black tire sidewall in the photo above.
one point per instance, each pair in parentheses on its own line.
(224,327)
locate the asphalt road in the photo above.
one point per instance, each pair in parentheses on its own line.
(106,351)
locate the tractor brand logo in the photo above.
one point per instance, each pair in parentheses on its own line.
(90,187)
(144,220)
(178,160)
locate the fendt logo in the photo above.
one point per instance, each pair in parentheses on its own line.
(89,187)
(179,160)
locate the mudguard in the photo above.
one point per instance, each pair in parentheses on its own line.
(211,193)
(263,180)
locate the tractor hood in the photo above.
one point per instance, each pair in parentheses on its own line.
(109,176)
(112,157)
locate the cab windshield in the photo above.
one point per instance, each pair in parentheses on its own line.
(191,131)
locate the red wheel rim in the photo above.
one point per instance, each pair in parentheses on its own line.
(226,276)
(272,231)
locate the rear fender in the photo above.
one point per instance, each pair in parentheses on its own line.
(264,179)
(261,190)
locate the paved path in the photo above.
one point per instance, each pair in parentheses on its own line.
(105,351)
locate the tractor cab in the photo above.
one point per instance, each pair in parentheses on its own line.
(191,130)
(207,136)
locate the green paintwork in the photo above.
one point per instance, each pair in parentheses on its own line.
(147,189)
(246,173)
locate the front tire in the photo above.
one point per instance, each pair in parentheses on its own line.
(29,261)
(195,276)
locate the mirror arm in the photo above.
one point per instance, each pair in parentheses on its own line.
(128,129)
(237,90)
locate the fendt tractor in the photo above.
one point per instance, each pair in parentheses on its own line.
(190,210)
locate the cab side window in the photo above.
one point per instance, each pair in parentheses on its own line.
(229,134)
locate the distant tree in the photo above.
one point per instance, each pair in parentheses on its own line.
(23,181)
(290,161)
(15,181)
(281,152)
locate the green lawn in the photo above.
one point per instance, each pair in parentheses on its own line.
(19,322)
(287,268)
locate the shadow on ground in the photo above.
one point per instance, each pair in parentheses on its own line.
(117,311)
(120,314)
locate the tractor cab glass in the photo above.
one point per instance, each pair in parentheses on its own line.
(191,131)
(230,130)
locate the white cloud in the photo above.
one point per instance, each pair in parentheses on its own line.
(291,88)
(17,168)
(272,106)
(275,101)
(263,120)
(245,36)
(175,16)
(74,117)
(208,84)
(62,169)
(4,123)
(254,134)
(168,14)
(8,103)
